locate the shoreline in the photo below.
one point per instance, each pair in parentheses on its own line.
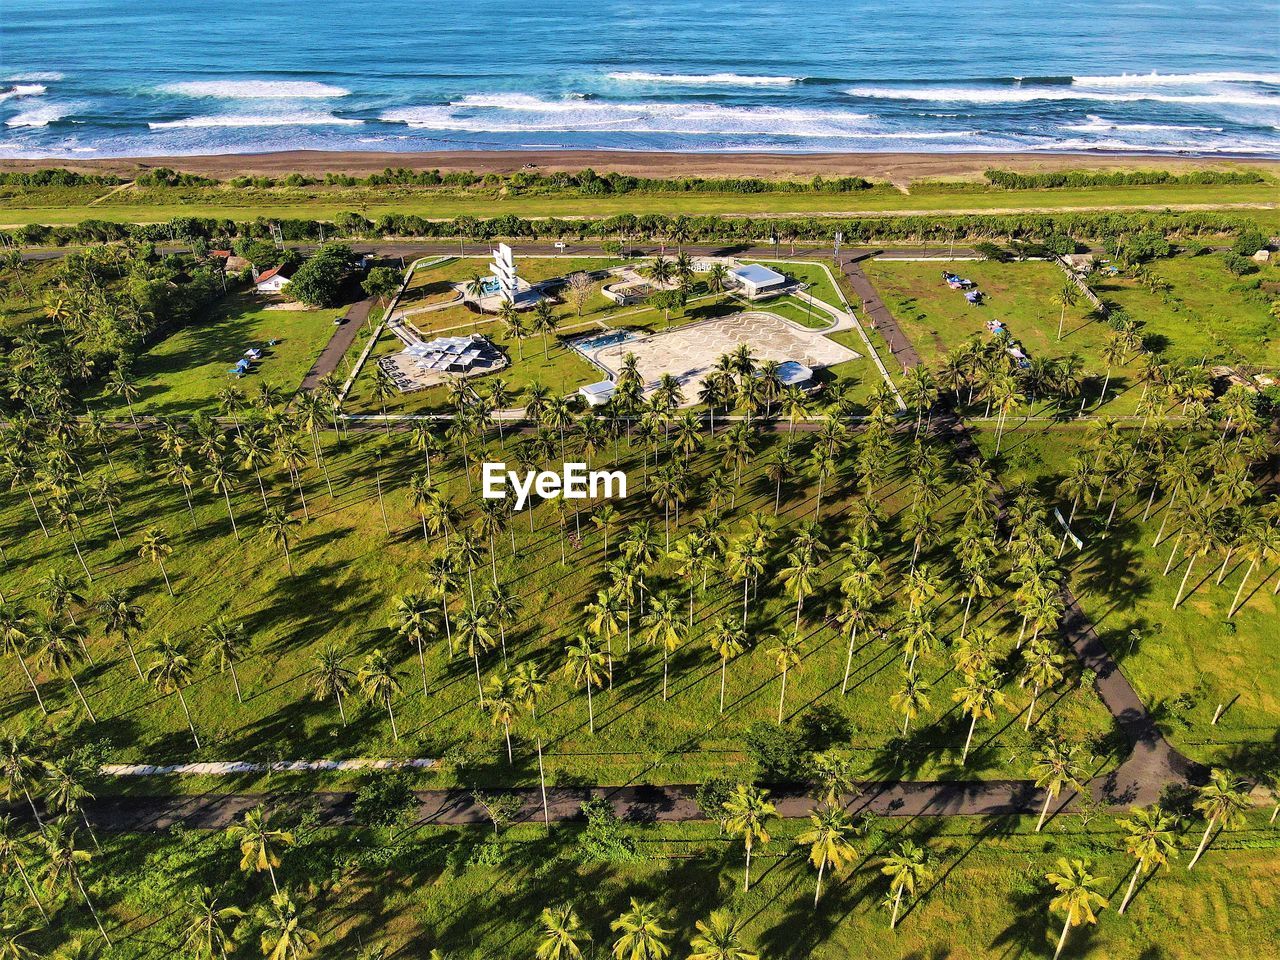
(898,168)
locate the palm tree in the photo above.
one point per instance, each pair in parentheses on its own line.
(283,935)
(225,645)
(749,811)
(59,648)
(155,547)
(169,672)
(641,935)
(15,634)
(210,926)
(411,618)
(332,677)
(907,868)
(664,627)
(584,666)
(1078,899)
(728,639)
(20,768)
(605,517)
(503,705)
(221,480)
(259,845)
(786,657)
(1222,802)
(912,699)
(562,934)
(1043,668)
(13,853)
(1067,297)
(1261,545)
(1054,766)
(828,843)
(379,680)
(63,862)
(277,523)
(978,696)
(11,935)
(1151,839)
(719,937)
(528,684)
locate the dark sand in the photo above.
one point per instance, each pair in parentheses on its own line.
(895,167)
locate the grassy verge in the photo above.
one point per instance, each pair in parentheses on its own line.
(154,206)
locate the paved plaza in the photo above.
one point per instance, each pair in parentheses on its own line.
(689,353)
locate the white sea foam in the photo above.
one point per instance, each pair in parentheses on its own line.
(1032,93)
(35,76)
(703,79)
(229,121)
(1099,125)
(39,117)
(23,90)
(1226,145)
(517,113)
(255,89)
(1176,79)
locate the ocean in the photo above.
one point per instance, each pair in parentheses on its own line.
(101,78)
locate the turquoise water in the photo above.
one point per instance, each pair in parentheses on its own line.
(101,77)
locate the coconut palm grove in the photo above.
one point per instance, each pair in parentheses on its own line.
(963,645)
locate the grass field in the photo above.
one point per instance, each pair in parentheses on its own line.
(937,319)
(466,895)
(184,372)
(1184,663)
(348,571)
(73,205)
(1207,313)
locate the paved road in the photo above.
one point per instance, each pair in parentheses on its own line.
(343,336)
(904,354)
(636,804)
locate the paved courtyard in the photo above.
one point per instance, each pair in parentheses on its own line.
(689,353)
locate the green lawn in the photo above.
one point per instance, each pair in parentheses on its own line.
(816,276)
(246,204)
(1184,663)
(797,311)
(183,373)
(459,891)
(937,319)
(1208,313)
(349,569)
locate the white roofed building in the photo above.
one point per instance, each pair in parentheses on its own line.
(757,281)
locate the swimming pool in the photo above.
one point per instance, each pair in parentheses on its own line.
(589,345)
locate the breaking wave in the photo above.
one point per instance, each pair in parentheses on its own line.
(256,89)
(703,79)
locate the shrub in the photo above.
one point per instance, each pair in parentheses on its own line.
(385,800)
(605,839)
(780,753)
(1238,265)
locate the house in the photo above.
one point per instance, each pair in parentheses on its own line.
(597,394)
(273,280)
(757,281)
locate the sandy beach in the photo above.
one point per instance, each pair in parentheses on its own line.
(898,168)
